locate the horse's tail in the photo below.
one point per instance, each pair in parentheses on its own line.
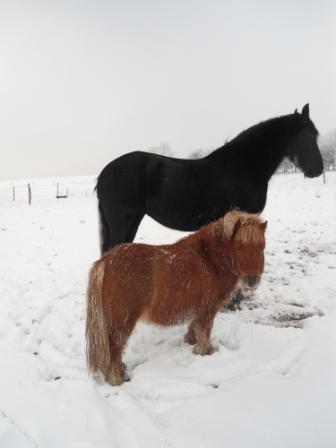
(103,231)
(97,342)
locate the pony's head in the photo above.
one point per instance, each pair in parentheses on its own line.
(245,236)
(303,149)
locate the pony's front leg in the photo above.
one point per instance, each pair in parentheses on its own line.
(190,337)
(201,328)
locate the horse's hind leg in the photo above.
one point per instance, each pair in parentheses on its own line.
(103,231)
(113,228)
(133,226)
(122,227)
(199,333)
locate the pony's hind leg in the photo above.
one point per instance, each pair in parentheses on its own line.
(199,331)
(116,374)
(118,335)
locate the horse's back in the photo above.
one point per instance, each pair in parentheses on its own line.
(124,180)
(121,169)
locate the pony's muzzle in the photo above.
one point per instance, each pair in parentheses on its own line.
(251,282)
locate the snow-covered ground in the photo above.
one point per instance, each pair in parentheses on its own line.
(272,382)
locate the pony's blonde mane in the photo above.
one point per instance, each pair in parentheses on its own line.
(249,227)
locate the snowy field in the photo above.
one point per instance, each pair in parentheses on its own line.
(271,382)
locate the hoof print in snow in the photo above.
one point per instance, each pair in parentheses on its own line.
(308,252)
(295,319)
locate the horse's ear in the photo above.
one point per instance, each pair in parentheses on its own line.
(305,111)
(263,226)
(296,112)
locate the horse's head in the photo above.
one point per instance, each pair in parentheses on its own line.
(303,149)
(246,242)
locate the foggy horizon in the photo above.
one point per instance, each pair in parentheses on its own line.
(83,82)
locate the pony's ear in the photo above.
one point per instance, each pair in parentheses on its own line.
(216,229)
(296,112)
(235,228)
(263,226)
(305,111)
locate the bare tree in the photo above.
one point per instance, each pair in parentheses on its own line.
(199,153)
(327,145)
(329,155)
(164,149)
(286,166)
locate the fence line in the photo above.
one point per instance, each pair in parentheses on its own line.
(34,192)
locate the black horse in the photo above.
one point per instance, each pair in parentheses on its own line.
(185,194)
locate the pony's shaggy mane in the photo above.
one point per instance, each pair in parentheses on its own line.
(247,225)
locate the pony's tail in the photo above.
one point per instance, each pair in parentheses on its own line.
(97,342)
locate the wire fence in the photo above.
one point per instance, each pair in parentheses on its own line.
(45,190)
(39,191)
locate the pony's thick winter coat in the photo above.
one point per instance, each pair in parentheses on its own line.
(169,284)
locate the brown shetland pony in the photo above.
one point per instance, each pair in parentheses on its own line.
(170,284)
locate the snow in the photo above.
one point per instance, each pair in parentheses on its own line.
(271,381)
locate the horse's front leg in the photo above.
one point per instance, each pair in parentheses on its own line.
(200,330)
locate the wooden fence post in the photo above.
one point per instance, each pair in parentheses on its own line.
(29,194)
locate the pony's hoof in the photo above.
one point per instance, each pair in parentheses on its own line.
(203,350)
(115,379)
(126,377)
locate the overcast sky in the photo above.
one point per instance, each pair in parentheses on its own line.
(82,82)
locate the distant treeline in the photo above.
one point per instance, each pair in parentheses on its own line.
(327,146)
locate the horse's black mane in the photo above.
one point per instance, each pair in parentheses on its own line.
(267,131)
(262,130)
(257,129)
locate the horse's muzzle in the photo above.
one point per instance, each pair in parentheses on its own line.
(314,172)
(250,282)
